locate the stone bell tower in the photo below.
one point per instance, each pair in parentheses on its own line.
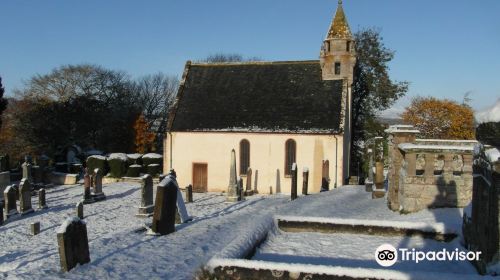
(338,54)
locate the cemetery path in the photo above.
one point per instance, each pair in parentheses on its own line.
(119,248)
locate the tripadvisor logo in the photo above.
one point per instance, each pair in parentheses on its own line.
(386,255)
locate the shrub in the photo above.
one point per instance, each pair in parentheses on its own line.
(153,169)
(96,161)
(117,165)
(152,158)
(134,170)
(134,159)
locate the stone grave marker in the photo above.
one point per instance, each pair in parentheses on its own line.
(35,228)
(41,199)
(25,197)
(10,207)
(248,186)
(26,171)
(73,243)
(255,181)
(87,182)
(294,182)
(189,194)
(241,191)
(305,180)
(232,190)
(165,206)
(147,207)
(79,210)
(98,195)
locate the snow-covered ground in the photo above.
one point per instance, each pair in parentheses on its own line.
(120,249)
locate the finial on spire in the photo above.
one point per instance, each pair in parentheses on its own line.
(340,2)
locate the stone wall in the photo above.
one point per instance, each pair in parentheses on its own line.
(428,173)
(481,219)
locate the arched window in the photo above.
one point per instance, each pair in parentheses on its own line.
(290,155)
(244,156)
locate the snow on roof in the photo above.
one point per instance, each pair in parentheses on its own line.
(120,156)
(411,146)
(152,155)
(67,222)
(427,227)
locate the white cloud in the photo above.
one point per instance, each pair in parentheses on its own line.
(491,114)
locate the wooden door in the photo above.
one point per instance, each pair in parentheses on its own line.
(200,175)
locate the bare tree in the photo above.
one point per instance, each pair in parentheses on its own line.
(3,101)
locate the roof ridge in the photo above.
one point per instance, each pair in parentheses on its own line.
(253,63)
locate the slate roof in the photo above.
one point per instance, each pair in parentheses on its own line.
(257,96)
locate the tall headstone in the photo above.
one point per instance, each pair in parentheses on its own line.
(79,210)
(294,182)
(305,180)
(232,190)
(98,194)
(73,243)
(189,194)
(147,207)
(41,199)
(35,228)
(25,197)
(278,181)
(26,170)
(165,206)
(256,181)
(248,187)
(241,192)
(10,207)
(87,182)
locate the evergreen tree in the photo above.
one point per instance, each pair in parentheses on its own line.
(3,101)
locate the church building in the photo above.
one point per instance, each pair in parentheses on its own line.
(273,114)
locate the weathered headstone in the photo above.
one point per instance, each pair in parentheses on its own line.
(305,180)
(87,182)
(232,190)
(35,228)
(241,192)
(278,181)
(73,243)
(10,207)
(293,192)
(41,199)
(25,197)
(256,181)
(248,187)
(147,206)
(79,210)
(165,206)
(4,182)
(26,171)
(189,194)
(98,194)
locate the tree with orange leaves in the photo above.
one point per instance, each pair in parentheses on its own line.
(144,138)
(440,119)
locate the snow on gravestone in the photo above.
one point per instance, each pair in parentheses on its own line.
(10,201)
(293,192)
(42,204)
(73,243)
(25,197)
(165,206)
(147,206)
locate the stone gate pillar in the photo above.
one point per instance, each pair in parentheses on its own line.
(397,134)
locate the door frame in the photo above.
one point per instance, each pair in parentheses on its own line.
(192,172)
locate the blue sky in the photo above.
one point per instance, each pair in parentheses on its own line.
(444,48)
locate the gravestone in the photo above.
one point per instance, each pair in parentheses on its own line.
(41,199)
(232,189)
(181,207)
(241,192)
(25,197)
(278,181)
(270,190)
(35,228)
(73,243)
(26,170)
(87,182)
(10,207)
(305,180)
(4,182)
(293,192)
(147,206)
(98,195)
(248,187)
(189,194)
(79,210)
(165,206)
(256,181)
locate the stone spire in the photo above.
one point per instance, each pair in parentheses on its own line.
(338,54)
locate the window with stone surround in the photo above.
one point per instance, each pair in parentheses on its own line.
(244,156)
(337,68)
(290,156)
